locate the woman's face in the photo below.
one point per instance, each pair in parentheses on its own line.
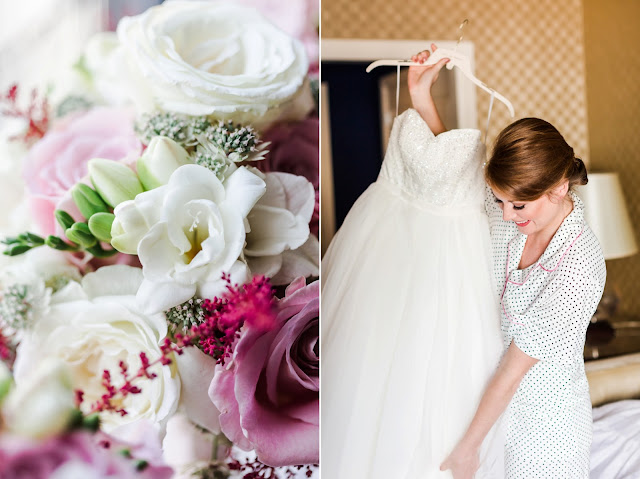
(543,215)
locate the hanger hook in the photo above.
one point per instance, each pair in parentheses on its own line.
(464,22)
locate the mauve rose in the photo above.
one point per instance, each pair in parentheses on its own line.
(294,149)
(59,160)
(268,395)
(27,459)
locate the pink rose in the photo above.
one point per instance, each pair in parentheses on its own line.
(298,18)
(294,149)
(59,160)
(78,454)
(268,397)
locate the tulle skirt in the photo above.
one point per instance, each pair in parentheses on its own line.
(410,337)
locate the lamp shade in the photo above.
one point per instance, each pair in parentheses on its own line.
(606,213)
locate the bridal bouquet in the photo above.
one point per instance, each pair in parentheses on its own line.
(159,294)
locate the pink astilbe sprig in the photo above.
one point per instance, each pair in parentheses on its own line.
(254,469)
(113,396)
(7,349)
(36,114)
(253,304)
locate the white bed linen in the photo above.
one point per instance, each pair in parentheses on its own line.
(615,451)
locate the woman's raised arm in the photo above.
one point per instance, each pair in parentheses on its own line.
(420,81)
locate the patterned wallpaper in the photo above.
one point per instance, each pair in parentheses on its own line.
(612,41)
(531,51)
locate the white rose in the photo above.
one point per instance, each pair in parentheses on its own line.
(92,328)
(280,244)
(213,58)
(187,233)
(103,60)
(42,404)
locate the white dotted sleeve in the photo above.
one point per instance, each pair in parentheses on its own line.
(494,212)
(554,327)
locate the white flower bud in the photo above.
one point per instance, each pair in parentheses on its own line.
(128,228)
(114,181)
(162,157)
(6,381)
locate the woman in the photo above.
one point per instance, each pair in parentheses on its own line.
(550,274)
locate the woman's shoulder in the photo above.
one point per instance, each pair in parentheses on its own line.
(578,263)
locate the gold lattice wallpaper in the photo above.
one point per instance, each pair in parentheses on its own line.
(531,51)
(612,41)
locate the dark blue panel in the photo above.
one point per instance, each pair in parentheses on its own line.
(354,106)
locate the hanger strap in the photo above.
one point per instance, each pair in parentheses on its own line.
(397,89)
(486,131)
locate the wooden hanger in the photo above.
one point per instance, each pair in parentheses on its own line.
(455,60)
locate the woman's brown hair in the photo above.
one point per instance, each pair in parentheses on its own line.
(530,158)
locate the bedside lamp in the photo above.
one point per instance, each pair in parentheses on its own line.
(606,213)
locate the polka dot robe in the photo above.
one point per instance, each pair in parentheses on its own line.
(546,309)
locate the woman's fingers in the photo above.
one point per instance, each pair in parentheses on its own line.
(421,57)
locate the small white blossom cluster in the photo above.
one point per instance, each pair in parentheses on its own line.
(186,315)
(215,147)
(17,305)
(170,125)
(240,143)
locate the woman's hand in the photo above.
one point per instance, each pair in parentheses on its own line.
(463,464)
(420,81)
(422,78)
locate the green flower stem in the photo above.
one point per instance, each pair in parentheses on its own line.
(100,252)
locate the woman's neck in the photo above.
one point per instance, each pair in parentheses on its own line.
(545,236)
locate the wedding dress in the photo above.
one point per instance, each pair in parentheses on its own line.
(410,323)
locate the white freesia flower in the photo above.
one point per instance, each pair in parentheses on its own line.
(92,328)
(187,233)
(280,244)
(212,58)
(42,403)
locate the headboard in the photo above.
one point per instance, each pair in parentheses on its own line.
(614,379)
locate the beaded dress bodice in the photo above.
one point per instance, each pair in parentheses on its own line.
(443,170)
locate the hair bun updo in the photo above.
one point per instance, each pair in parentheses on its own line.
(579,176)
(530,157)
